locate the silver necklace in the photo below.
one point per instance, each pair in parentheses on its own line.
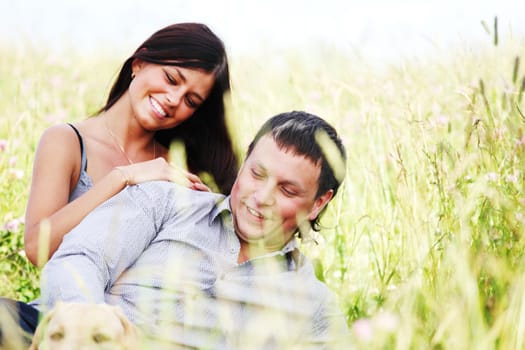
(120,147)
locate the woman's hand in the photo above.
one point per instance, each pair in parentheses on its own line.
(160,169)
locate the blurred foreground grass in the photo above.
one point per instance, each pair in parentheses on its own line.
(424,245)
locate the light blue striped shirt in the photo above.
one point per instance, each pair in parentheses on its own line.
(167,256)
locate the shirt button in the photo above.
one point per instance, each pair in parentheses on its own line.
(232,250)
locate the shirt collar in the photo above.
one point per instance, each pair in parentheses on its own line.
(223,205)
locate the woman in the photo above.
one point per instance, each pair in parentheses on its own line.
(171,88)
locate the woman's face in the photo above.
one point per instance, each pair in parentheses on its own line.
(162,97)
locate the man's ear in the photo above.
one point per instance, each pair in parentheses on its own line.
(320,203)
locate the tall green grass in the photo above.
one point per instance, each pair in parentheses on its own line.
(424,243)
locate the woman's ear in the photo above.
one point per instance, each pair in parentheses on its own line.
(136,66)
(320,203)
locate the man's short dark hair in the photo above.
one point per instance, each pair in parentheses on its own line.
(312,137)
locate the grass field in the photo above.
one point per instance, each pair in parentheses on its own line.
(424,245)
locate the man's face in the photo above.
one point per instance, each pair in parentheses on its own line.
(275,193)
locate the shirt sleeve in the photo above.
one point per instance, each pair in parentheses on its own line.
(329,328)
(103,245)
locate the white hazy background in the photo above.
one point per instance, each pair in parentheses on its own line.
(379,29)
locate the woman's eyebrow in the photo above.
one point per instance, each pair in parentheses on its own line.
(181,76)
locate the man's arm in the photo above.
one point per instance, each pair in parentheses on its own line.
(109,240)
(329,328)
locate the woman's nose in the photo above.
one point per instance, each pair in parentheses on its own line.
(174,96)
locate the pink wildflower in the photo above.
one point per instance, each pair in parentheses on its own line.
(363,329)
(12,225)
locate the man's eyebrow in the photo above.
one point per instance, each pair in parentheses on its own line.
(285,182)
(294,184)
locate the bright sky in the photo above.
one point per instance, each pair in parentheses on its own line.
(379,28)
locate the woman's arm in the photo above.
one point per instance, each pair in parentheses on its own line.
(49,216)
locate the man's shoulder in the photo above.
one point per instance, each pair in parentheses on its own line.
(159,188)
(167,195)
(161,185)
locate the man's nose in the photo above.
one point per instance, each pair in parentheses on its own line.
(265,195)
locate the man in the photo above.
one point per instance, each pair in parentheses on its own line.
(200,270)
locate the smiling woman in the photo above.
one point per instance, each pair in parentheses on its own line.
(171,89)
(171,93)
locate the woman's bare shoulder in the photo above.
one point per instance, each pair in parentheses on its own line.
(59,133)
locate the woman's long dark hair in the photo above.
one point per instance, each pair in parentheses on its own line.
(205,134)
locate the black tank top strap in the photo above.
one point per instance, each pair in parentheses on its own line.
(84,160)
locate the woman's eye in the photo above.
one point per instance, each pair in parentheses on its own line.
(191,103)
(170,79)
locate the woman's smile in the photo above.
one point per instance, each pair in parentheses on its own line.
(157,108)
